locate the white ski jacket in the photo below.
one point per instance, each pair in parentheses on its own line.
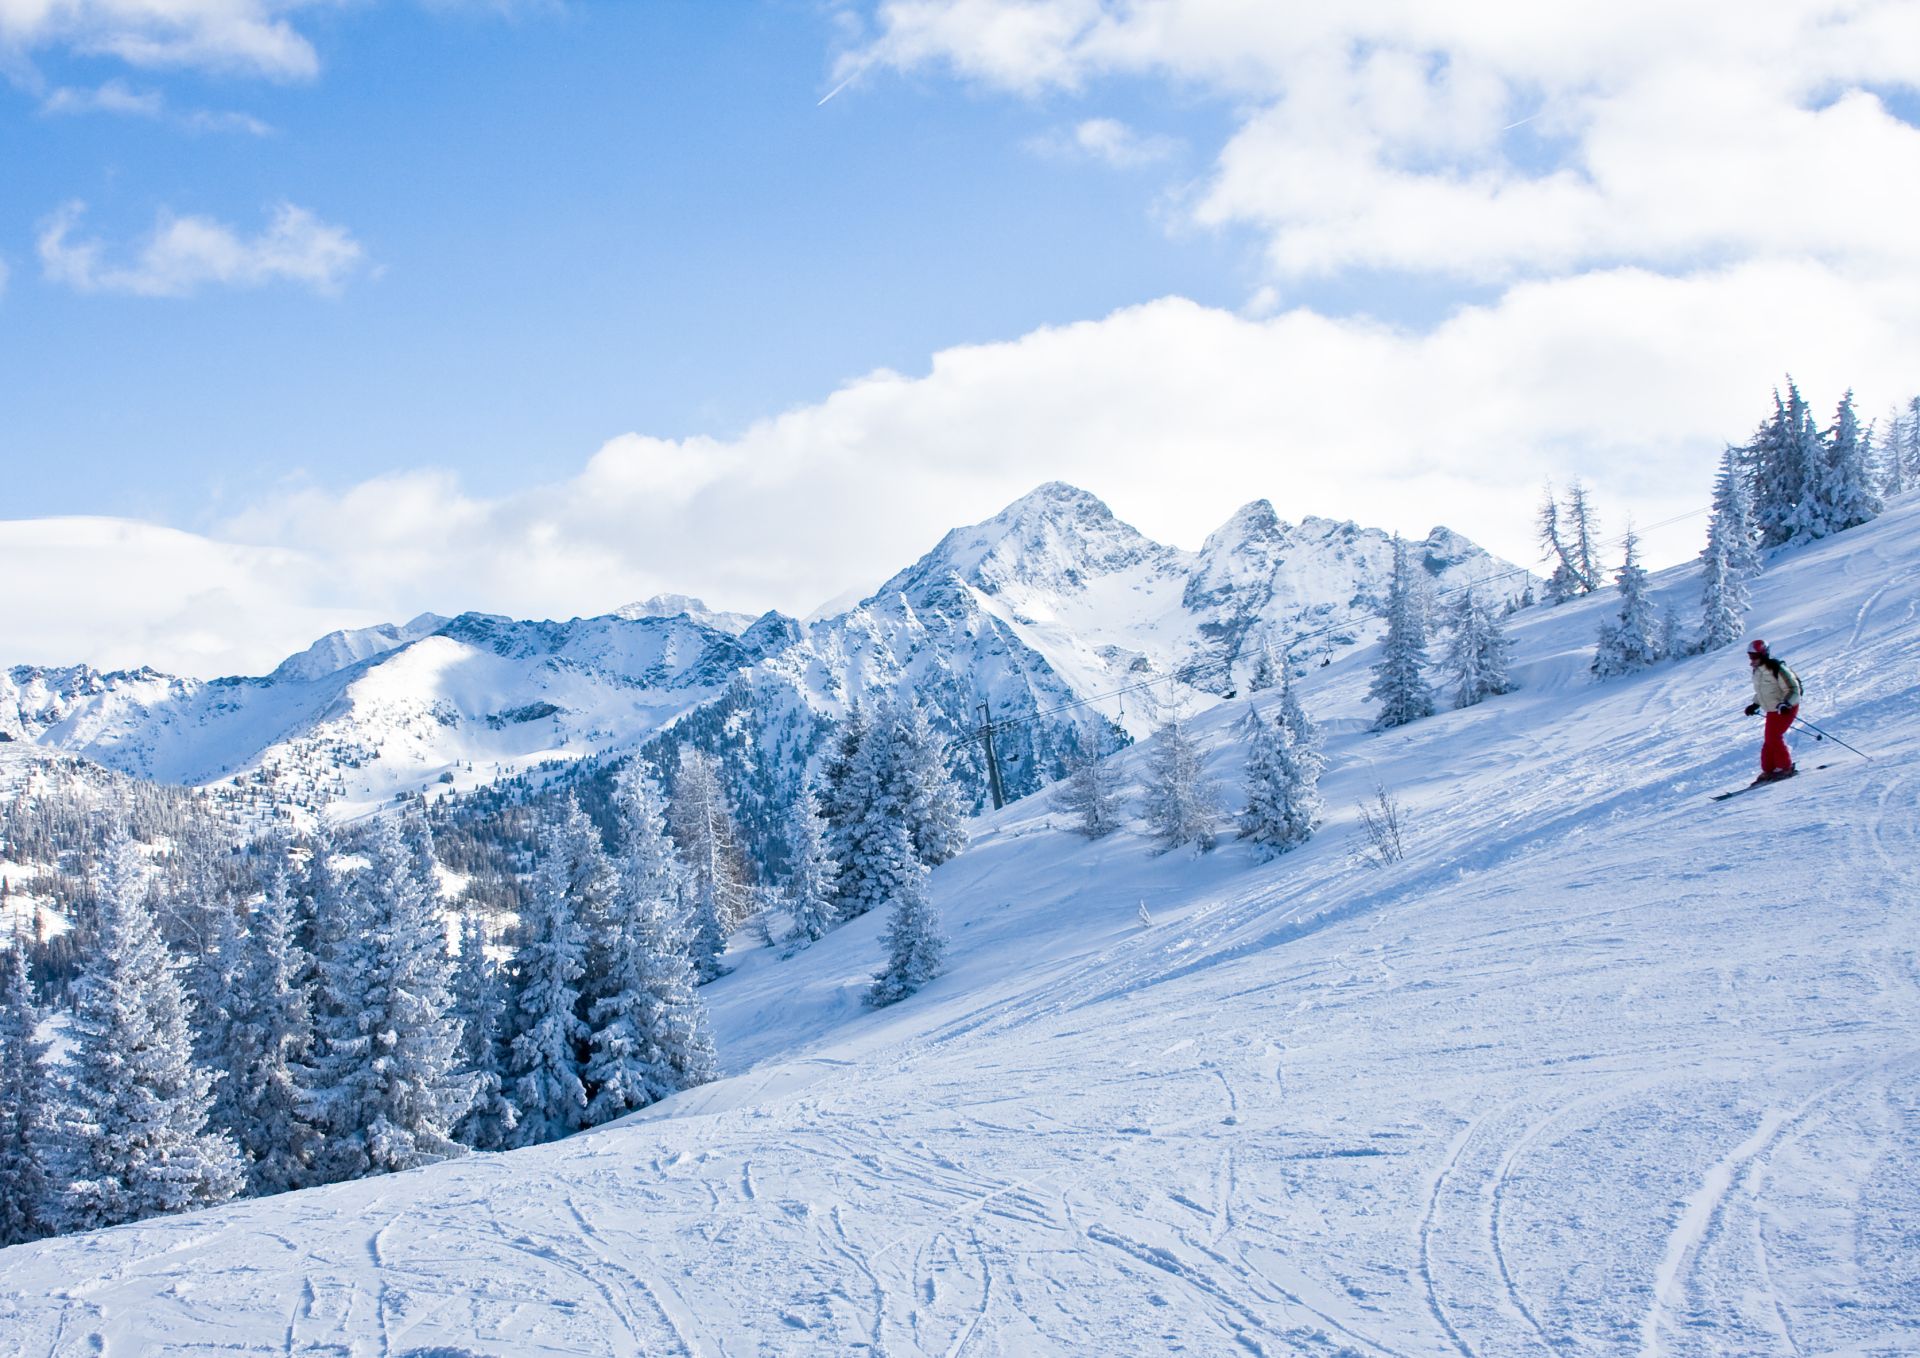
(1774,691)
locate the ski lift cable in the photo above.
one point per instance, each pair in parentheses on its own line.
(1187,673)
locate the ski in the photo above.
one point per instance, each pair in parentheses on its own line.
(1811,768)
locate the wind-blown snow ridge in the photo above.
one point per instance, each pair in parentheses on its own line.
(1600,1068)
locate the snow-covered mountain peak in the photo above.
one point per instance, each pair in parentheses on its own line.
(349,646)
(686,605)
(1055,540)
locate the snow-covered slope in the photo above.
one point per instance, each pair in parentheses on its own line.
(1601,1067)
(1046,603)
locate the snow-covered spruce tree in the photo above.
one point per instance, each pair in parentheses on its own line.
(1583,538)
(546,1036)
(1631,640)
(719,896)
(1844,488)
(135,1104)
(811,894)
(1284,764)
(270,1032)
(1182,807)
(383,1085)
(929,802)
(1090,793)
(1899,450)
(859,844)
(840,803)
(1478,652)
(1399,681)
(650,1036)
(913,940)
(1890,464)
(1265,675)
(1729,559)
(588,880)
(480,1003)
(1785,458)
(1562,582)
(27,1208)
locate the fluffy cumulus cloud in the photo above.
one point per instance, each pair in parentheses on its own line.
(253,37)
(1173,412)
(1491,142)
(184,254)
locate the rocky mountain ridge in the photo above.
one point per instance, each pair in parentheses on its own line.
(1052,602)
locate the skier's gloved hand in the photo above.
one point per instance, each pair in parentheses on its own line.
(1753,709)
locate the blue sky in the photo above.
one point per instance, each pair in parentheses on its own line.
(575,222)
(317,313)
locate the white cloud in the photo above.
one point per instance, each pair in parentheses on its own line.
(184,254)
(118,97)
(1378,136)
(123,594)
(1106,140)
(1174,412)
(242,37)
(246,36)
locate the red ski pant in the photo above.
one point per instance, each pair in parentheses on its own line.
(1775,757)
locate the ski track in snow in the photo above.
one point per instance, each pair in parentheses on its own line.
(1603,1068)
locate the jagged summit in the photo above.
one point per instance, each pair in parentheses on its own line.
(1055,538)
(337,650)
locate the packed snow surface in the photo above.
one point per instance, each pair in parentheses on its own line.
(1602,1067)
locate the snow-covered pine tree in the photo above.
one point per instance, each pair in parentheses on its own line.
(925,792)
(1900,450)
(1890,463)
(1729,559)
(840,803)
(27,1208)
(650,1036)
(1478,651)
(811,894)
(719,896)
(480,1003)
(1775,471)
(913,940)
(383,1087)
(1284,764)
(135,1104)
(1631,640)
(1264,675)
(270,1031)
(859,844)
(1399,682)
(1090,792)
(1562,582)
(1846,490)
(547,1038)
(1182,807)
(1583,537)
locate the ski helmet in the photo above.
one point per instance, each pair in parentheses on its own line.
(1757,650)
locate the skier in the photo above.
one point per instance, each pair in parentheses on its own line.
(1776,691)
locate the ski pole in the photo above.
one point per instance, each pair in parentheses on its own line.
(1818,734)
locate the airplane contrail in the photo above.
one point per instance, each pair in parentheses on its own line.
(836,89)
(1508,128)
